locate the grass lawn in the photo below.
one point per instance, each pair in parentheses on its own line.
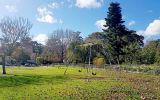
(48,83)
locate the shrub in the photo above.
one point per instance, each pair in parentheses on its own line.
(39,60)
(134,69)
(157,71)
(99,61)
(147,69)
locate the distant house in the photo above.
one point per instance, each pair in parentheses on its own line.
(30,63)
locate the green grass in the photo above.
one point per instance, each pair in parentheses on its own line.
(48,83)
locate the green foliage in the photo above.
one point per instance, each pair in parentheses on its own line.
(151,52)
(95,42)
(157,71)
(114,17)
(20,56)
(120,40)
(39,60)
(76,53)
(115,29)
(37,47)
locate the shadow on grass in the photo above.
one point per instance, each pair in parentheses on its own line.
(20,80)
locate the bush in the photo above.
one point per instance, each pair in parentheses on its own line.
(134,69)
(140,69)
(99,61)
(157,71)
(147,69)
(39,60)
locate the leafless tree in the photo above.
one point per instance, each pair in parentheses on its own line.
(59,41)
(13,30)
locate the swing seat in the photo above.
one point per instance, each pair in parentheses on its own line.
(93,73)
(79,70)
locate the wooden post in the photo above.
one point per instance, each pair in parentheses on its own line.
(89,58)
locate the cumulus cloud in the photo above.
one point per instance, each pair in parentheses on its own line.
(153,28)
(131,23)
(89,3)
(41,38)
(11,8)
(44,15)
(100,24)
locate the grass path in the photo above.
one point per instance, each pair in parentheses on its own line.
(48,83)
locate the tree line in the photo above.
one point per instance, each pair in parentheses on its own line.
(115,45)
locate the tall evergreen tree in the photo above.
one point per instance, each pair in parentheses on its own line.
(114,17)
(118,36)
(115,30)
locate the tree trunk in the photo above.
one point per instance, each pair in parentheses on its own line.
(118,60)
(3,64)
(62,55)
(107,55)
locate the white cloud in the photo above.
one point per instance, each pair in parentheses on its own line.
(131,23)
(71,3)
(11,8)
(89,3)
(153,28)
(44,15)
(100,24)
(41,38)
(140,32)
(54,5)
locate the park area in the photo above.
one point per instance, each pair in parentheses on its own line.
(79,50)
(50,83)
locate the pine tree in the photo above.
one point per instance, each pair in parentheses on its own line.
(118,36)
(114,17)
(115,30)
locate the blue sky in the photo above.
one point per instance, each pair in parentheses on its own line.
(86,16)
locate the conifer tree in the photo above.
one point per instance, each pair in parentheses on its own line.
(118,36)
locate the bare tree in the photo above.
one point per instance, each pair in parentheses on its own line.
(13,30)
(60,40)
